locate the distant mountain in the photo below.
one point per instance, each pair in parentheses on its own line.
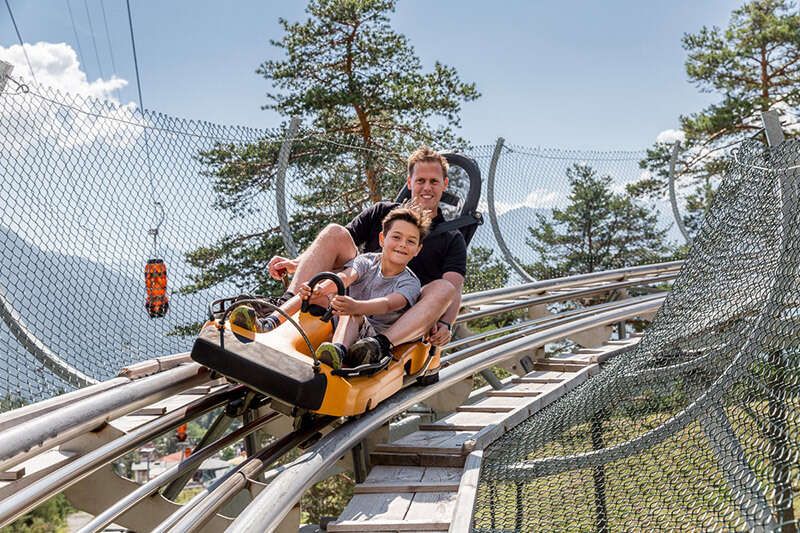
(513,226)
(91,315)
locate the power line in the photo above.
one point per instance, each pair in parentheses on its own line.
(74,31)
(135,61)
(21,43)
(108,38)
(94,41)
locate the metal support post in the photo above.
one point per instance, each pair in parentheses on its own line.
(781,474)
(599,475)
(5,73)
(493,214)
(622,330)
(359,453)
(491,379)
(280,187)
(673,199)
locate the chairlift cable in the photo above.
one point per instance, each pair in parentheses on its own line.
(21,43)
(75,31)
(94,41)
(108,38)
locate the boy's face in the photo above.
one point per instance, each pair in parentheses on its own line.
(401,243)
(427,184)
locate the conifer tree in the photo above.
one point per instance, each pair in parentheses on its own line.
(365,102)
(598,230)
(753,65)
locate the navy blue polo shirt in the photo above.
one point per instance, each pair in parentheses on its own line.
(445,252)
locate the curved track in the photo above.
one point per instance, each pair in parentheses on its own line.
(68,442)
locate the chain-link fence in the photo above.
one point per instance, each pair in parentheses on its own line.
(698,428)
(92,190)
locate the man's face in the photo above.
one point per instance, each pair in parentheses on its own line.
(427,184)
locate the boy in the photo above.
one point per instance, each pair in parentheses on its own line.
(381,288)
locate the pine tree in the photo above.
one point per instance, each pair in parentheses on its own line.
(598,230)
(754,66)
(365,103)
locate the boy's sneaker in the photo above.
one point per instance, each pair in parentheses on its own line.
(332,354)
(369,350)
(244,316)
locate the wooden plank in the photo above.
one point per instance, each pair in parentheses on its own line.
(389,525)
(381,474)
(453,427)
(541,381)
(365,508)
(467,492)
(201,390)
(514,393)
(558,367)
(483,409)
(442,475)
(13,475)
(437,507)
(150,411)
(400,486)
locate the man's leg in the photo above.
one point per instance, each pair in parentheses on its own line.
(414,323)
(332,248)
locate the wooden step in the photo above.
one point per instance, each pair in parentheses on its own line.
(405,486)
(417,459)
(390,525)
(478,408)
(511,393)
(559,367)
(452,427)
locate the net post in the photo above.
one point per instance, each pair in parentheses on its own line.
(5,74)
(280,187)
(777,359)
(509,257)
(673,199)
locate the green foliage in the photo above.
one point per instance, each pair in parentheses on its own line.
(753,65)
(365,103)
(483,271)
(326,498)
(49,517)
(598,230)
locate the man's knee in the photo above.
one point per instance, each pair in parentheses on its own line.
(335,236)
(439,289)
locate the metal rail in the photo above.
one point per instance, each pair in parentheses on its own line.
(273,503)
(29,497)
(33,436)
(519,291)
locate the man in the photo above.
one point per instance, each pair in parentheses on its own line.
(441,264)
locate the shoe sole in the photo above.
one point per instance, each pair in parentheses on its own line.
(328,354)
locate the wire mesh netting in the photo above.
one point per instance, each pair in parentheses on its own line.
(93,189)
(697,428)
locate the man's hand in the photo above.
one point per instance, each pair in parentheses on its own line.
(439,334)
(344,305)
(279,266)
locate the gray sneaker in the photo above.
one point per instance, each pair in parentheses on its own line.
(244,316)
(369,350)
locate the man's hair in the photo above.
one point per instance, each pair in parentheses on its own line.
(411,213)
(426,154)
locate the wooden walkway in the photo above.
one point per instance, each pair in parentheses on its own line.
(426,481)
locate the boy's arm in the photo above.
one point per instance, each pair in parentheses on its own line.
(344,305)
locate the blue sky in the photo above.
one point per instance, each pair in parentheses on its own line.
(571,74)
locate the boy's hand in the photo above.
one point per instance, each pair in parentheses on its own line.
(279,266)
(439,335)
(304,292)
(344,305)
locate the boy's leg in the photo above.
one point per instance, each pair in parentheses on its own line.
(347,331)
(334,353)
(331,249)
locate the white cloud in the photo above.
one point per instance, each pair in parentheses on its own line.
(538,198)
(670,136)
(56,65)
(91,111)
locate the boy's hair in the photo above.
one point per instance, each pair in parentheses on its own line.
(410,213)
(426,154)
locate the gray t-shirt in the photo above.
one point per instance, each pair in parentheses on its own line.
(372,284)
